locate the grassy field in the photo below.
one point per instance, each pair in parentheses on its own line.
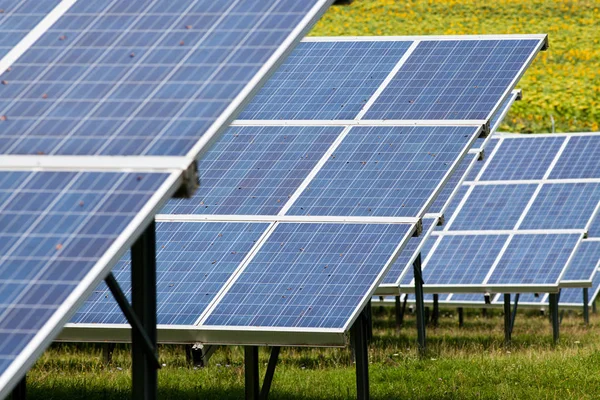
(462,363)
(563,82)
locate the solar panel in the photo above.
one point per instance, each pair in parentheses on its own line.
(454,79)
(580,159)
(194,260)
(132,77)
(573,297)
(489,150)
(594,228)
(326,80)
(453,186)
(503,110)
(255,170)
(585,262)
(305,271)
(385,171)
(59,232)
(563,206)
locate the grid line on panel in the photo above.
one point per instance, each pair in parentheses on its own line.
(579,159)
(585,263)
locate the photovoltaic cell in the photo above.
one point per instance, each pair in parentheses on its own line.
(403,260)
(451,185)
(580,159)
(594,230)
(193,262)
(138,77)
(326,80)
(585,262)
(493,207)
(54,228)
(408,277)
(453,79)
(462,259)
(525,158)
(18,18)
(573,296)
(384,171)
(563,206)
(309,275)
(255,170)
(534,259)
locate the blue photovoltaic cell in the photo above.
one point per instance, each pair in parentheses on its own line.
(451,207)
(450,186)
(563,206)
(493,207)
(594,230)
(408,276)
(491,145)
(580,159)
(309,275)
(326,80)
(384,171)
(534,259)
(585,262)
(506,104)
(573,296)
(462,260)
(54,227)
(255,170)
(526,158)
(407,253)
(18,18)
(453,79)
(138,77)
(193,262)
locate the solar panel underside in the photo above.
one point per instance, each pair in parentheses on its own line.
(59,229)
(139,77)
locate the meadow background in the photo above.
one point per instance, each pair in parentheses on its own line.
(563,83)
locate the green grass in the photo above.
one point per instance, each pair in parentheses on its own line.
(462,363)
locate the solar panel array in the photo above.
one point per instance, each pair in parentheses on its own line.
(340,194)
(518,222)
(115,78)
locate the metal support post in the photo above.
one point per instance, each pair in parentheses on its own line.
(514,313)
(554,316)
(435,315)
(461,317)
(398,312)
(197,355)
(144,373)
(586,307)
(507,317)
(420,307)
(20,391)
(361,357)
(251,372)
(369,321)
(594,307)
(107,352)
(266,387)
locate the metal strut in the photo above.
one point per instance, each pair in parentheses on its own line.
(554,316)
(251,373)
(400,311)
(435,314)
(586,307)
(507,330)
(358,334)
(420,306)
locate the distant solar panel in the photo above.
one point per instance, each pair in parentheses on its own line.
(304,271)
(255,170)
(133,77)
(585,263)
(193,261)
(580,159)
(57,230)
(385,171)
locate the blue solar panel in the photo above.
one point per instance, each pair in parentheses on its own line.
(309,275)
(453,79)
(451,207)
(534,259)
(502,110)
(18,18)
(384,171)
(462,260)
(193,262)
(255,170)
(54,228)
(563,206)
(580,159)
(492,207)
(585,262)
(326,80)
(138,77)
(574,296)
(524,298)
(404,259)
(594,229)
(491,145)
(442,199)
(526,158)
(408,277)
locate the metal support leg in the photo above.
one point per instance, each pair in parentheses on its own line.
(251,372)
(554,315)
(107,352)
(514,313)
(398,312)
(594,307)
(143,298)
(484,312)
(266,387)
(361,356)
(20,391)
(435,315)
(507,333)
(369,321)
(420,307)
(197,355)
(461,317)
(586,307)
